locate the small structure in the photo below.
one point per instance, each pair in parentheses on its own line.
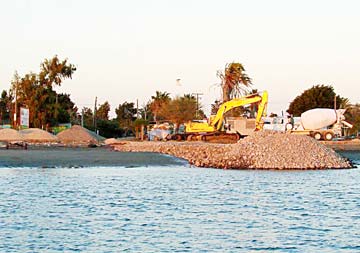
(160,132)
(241,125)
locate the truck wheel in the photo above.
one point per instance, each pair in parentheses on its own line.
(317,136)
(203,137)
(177,137)
(328,136)
(289,126)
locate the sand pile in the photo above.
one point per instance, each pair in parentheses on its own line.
(112,141)
(79,136)
(263,150)
(37,135)
(8,134)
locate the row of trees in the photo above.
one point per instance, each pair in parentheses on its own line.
(36,91)
(160,108)
(47,108)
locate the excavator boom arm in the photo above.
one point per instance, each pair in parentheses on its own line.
(261,111)
(217,121)
(229,105)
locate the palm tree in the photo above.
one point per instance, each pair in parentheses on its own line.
(189,97)
(234,81)
(345,103)
(158,101)
(145,111)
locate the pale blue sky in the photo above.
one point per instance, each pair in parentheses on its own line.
(126,50)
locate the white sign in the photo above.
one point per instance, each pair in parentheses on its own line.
(24,117)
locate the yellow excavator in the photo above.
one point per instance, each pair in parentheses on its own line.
(199,130)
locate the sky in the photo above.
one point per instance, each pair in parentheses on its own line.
(128,50)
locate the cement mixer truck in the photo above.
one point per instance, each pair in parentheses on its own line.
(320,123)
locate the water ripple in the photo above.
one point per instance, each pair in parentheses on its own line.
(178,209)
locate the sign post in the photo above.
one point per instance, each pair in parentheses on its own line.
(24,117)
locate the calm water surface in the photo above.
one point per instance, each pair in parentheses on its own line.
(176,208)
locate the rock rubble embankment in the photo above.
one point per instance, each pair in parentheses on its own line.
(263,150)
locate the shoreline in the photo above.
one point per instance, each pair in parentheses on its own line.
(250,153)
(347,145)
(81,157)
(267,151)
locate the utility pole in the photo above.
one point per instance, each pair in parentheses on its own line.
(56,109)
(82,117)
(137,108)
(197,103)
(94,116)
(16,82)
(15,113)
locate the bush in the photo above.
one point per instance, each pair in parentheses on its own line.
(109,129)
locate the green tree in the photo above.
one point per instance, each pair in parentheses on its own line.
(103,111)
(199,113)
(234,81)
(66,109)
(35,91)
(109,128)
(88,118)
(352,115)
(146,112)
(53,71)
(125,116)
(180,110)
(160,100)
(319,96)
(5,107)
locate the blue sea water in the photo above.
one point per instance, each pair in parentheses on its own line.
(178,208)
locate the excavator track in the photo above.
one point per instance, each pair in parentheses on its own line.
(221,137)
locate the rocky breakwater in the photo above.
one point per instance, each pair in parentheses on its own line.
(263,150)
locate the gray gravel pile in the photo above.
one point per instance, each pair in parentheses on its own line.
(274,150)
(263,150)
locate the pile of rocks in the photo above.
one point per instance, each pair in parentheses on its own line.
(274,150)
(263,150)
